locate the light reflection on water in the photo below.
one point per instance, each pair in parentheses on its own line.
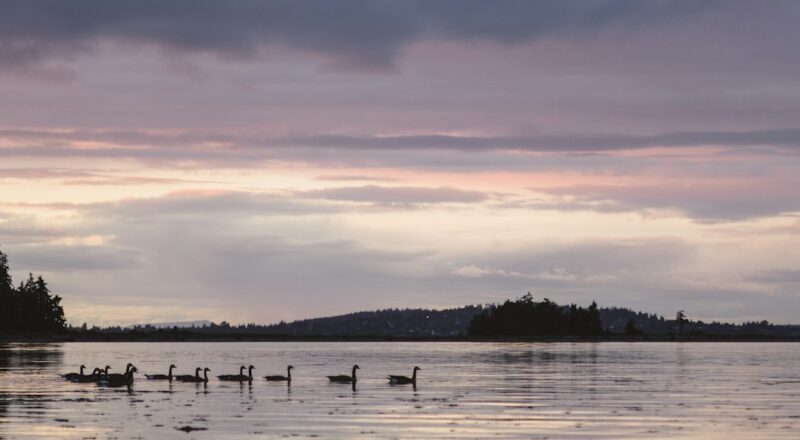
(466,390)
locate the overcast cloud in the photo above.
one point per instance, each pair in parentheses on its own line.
(311,157)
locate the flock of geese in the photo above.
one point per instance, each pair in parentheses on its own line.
(101,376)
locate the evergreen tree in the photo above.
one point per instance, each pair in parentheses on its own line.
(525,317)
(680,318)
(630,328)
(29,307)
(7,295)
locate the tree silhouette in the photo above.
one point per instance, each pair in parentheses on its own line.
(680,318)
(630,328)
(6,294)
(525,317)
(31,306)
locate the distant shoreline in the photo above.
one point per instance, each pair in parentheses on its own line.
(183,337)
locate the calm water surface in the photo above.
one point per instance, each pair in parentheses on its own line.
(466,390)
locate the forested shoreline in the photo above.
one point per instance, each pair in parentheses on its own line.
(29,307)
(526,317)
(30,311)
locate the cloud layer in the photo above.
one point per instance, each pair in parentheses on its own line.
(258,161)
(348,35)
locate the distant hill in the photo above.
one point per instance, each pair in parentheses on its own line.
(615,319)
(181,324)
(388,322)
(454,323)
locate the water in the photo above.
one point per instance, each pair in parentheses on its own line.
(466,390)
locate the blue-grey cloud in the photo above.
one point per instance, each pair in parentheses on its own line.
(776,141)
(86,177)
(21,228)
(185,204)
(354,178)
(394,196)
(58,258)
(590,258)
(776,276)
(701,202)
(350,34)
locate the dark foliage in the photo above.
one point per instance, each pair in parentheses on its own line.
(29,307)
(525,317)
(389,322)
(630,328)
(615,321)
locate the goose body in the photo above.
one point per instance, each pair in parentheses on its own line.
(116,376)
(345,378)
(117,380)
(234,377)
(196,378)
(400,380)
(167,376)
(241,377)
(94,377)
(74,376)
(100,373)
(188,377)
(279,378)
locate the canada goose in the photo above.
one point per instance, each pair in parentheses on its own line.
(116,380)
(102,372)
(399,380)
(234,377)
(196,378)
(249,377)
(73,376)
(168,376)
(344,378)
(94,377)
(188,377)
(117,377)
(127,368)
(279,378)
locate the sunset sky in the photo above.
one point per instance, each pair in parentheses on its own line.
(258,161)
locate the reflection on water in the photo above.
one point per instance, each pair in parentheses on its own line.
(22,361)
(30,356)
(465,390)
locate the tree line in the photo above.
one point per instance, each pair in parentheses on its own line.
(28,307)
(526,317)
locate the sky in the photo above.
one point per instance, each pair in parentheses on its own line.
(256,161)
